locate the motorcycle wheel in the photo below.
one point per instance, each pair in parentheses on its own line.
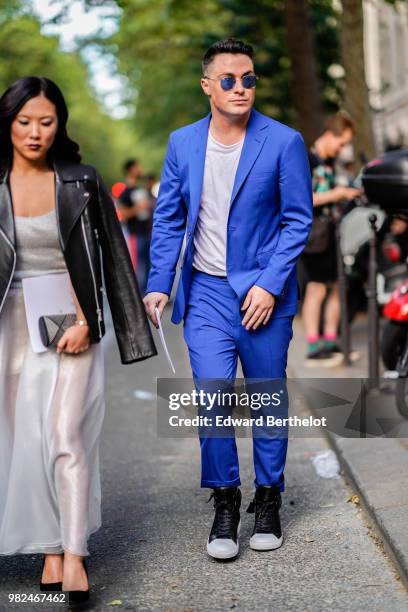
(392,343)
(401,393)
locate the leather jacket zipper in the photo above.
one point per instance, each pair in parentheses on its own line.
(14,267)
(97,238)
(98,308)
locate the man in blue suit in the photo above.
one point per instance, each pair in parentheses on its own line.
(237,185)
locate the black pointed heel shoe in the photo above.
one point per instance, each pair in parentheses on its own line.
(78,600)
(49,586)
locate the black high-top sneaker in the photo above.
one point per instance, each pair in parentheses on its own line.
(267,533)
(223,540)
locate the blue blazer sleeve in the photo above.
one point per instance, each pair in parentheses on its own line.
(169,223)
(296,213)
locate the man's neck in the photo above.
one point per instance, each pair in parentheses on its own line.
(320,148)
(226,129)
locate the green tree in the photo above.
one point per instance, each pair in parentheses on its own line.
(356,100)
(160,43)
(104,142)
(306,89)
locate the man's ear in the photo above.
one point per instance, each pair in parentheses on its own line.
(205,87)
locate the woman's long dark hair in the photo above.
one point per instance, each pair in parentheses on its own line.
(11,102)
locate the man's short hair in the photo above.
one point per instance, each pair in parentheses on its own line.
(129,163)
(340,122)
(228,45)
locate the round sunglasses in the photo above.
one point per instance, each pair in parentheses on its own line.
(228,82)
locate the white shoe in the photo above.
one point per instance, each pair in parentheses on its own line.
(223,539)
(267,533)
(223,548)
(265,541)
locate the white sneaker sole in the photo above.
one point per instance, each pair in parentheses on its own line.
(259,544)
(330,362)
(228,552)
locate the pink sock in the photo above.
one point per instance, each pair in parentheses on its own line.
(330,336)
(313,338)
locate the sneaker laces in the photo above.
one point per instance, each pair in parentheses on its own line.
(266,516)
(224,517)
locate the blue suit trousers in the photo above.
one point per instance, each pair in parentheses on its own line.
(215,337)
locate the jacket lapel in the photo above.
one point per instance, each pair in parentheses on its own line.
(72,196)
(253,143)
(196,163)
(6,208)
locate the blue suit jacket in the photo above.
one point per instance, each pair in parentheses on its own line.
(269,220)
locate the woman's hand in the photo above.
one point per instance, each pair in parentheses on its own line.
(75,340)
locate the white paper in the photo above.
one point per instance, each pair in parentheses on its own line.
(163,340)
(326,464)
(46,295)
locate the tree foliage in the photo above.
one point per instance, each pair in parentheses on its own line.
(160,44)
(24,50)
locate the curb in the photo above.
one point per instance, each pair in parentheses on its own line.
(375,468)
(395,553)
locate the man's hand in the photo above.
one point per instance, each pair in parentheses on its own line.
(259,305)
(337,194)
(345,193)
(155,298)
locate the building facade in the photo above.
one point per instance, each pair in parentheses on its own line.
(386,65)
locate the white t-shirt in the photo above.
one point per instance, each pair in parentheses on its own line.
(210,236)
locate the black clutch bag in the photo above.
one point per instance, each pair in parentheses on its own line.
(53,327)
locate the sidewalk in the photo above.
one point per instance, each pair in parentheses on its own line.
(376,467)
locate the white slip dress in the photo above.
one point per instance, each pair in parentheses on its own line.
(51,415)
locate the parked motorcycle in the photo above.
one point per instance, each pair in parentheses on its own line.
(395,331)
(394,343)
(392,253)
(385,181)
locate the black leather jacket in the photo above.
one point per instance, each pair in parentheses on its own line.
(88,227)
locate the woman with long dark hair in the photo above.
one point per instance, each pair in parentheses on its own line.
(56,217)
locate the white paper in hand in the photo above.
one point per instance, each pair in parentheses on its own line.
(163,340)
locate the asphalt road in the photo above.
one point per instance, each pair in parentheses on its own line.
(150,553)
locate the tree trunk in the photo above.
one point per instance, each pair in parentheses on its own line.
(305,84)
(356,96)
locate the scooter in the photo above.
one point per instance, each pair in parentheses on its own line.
(355,233)
(394,343)
(385,181)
